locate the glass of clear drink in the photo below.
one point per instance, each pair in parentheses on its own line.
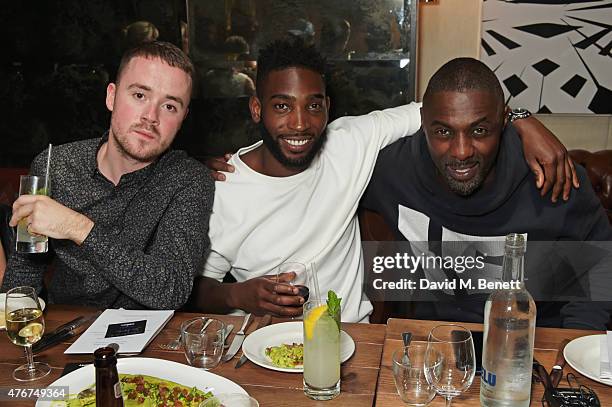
(203,340)
(25,326)
(450,362)
(409,375)
(26,242)
(321,351)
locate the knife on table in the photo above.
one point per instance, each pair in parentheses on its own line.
(63,332)
(556,374)
(265,320)
(238,339)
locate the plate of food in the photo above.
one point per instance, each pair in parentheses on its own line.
(157,376)
(280,347)
(3,304)
(583,355)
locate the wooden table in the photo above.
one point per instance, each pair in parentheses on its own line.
(270,388)
(547,343)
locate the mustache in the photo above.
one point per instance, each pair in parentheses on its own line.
(461,163)
(145,127)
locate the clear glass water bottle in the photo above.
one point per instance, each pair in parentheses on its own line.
(509,333)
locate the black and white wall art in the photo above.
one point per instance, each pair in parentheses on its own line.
(551,56)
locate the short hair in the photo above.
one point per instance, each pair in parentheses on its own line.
(288,53)
(236,45)
(169,53)
(463,74)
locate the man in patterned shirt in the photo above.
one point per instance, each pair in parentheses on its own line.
(128,217)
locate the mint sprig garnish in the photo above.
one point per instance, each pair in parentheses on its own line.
(333,305)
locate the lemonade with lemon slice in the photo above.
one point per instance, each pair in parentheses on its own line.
(322,348)
(27,242)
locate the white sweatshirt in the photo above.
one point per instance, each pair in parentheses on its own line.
(259,222)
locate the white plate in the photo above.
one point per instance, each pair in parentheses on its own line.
(583,355)
(185,375)
(3,303)
(254,346)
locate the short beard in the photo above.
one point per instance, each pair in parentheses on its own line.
(296,164)
(139,155)
(468,187)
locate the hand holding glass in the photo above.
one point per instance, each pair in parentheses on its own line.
(301,277)
(25,326)
(27,242)
(450,362)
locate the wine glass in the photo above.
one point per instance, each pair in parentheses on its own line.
(25,326)
(450,362)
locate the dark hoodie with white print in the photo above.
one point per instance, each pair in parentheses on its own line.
(408,192)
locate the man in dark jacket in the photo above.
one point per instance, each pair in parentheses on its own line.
(463,178)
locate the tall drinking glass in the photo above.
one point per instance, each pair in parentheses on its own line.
(450,362)
(321,351)
(26,242)
(25,326)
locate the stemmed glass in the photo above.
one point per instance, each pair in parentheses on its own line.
(450,362)
(25,326)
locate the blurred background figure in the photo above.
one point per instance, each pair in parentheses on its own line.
(234,47)
(303,29)
(226,80)
(208,40)
(335,34)
(240,19)
(137,33)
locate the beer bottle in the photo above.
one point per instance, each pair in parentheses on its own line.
(108,388)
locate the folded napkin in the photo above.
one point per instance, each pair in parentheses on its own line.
(605,351)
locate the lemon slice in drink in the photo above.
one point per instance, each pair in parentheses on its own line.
(312,318)
(31,330)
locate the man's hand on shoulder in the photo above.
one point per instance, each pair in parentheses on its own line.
(219,165)
(548,158)
(264,295)
(48,217)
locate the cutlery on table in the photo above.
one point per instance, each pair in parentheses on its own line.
(176,343)
(228,331)
(264,321)
(64,332)
(172,345)
(238,339)
(406,337)
(556,374)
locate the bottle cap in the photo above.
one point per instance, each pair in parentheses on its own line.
(104,357)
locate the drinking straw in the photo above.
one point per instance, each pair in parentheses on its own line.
(315,281)
(47,172)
